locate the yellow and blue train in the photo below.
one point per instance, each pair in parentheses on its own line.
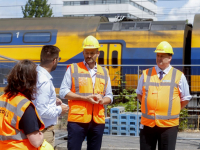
(122,43)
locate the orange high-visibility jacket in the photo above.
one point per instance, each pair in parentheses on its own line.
(81,111)
(11,111)
(161,103)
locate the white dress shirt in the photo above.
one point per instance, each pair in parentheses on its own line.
(45,101)
(67,82)
(183,85)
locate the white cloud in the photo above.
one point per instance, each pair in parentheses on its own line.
(187,11)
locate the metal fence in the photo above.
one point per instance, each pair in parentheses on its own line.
(130,74)
(6,64)
(125,77)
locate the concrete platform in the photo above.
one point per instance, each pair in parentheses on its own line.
(185,141)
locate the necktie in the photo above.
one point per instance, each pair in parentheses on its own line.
(161,75)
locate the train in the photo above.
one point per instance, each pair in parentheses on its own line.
(121,43)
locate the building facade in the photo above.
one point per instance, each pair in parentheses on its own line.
(112,9)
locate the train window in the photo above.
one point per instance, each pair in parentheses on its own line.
(127,26)
(142,26)
(168,25)
(101,58)
(174,27)
(160,27)
(105,26)
(5,37)
(115,58)
(37,37)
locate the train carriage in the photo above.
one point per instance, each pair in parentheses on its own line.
(24,38)
(121,43)
(195,56)
(134,42)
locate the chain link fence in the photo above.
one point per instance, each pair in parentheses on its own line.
(124,77)
(6,64)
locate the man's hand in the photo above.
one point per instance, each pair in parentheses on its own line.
(139,97)
(92,99)
(58,101)
(100,99)
(184,103)
(65,108)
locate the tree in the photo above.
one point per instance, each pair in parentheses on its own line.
(37,8)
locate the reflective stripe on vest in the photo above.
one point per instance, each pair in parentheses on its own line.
(16,110)
(76,76)
(17,113)
(172,84)
(21,104)
(18,136)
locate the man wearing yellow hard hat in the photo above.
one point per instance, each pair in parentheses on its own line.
(163,91)
(87,87)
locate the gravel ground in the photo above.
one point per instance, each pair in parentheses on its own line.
(185,141)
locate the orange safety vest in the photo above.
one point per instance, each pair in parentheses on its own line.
(11,111)
(161,103)
(82,111)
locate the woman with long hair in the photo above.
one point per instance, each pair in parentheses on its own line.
(20,125)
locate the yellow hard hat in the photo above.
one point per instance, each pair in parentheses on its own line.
(46,146)
(90,42)
(164,47)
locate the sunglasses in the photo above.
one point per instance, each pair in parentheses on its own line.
(59,58)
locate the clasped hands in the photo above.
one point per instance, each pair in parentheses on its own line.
(95,99)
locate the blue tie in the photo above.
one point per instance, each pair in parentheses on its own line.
(161,75)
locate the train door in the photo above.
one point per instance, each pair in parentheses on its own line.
(110,54)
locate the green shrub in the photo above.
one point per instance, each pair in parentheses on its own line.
(126,97)
(183,119)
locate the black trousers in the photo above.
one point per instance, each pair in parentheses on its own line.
(166,138)
(78,131)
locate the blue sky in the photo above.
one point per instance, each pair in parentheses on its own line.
(12,8)
(167,9)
